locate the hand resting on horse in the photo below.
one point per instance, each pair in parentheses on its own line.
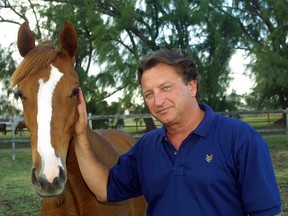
(100,172)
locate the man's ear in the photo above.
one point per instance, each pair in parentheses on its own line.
(193,87)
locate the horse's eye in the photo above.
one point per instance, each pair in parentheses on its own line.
(75,92)
(20,95)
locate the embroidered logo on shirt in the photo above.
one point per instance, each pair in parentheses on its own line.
(209,158)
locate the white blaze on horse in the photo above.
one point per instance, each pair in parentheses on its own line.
(48,86)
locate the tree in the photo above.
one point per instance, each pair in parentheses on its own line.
(7,64)
(264,27)
(123,32)
(7,108)
(115,34)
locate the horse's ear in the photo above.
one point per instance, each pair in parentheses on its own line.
(25,40)
(68,39)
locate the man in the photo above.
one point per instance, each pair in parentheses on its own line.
(198,163)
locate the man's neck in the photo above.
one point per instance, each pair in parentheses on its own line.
(178,132)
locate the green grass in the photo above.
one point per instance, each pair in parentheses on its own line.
(279,154)
(18,138)
(17,196)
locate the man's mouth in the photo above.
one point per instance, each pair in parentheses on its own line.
(162,111)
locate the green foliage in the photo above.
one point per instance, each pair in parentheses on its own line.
(7,66)
(264,27)
(115,34)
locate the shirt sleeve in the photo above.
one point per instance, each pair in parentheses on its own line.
(260,193)
(123,181)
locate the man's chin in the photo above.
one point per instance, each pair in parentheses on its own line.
(165,120)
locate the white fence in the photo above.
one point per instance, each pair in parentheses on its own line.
(11,124)
(273,122)
(134,122)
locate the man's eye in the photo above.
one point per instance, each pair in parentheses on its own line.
(148,95)
(166,88)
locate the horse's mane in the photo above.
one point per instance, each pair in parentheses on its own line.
(38,58)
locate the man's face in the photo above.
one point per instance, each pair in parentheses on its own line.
(166,95)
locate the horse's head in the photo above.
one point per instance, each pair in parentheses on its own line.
(48,86)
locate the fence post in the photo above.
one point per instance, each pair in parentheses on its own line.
(286,111)
(89,120)
(13,126)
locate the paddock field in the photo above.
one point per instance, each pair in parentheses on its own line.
(17,197)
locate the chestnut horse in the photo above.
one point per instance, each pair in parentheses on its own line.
(48,86)
(3,128)
(20,127)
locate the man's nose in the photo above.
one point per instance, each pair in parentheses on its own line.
(158,99)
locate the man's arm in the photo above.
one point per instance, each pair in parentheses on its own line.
(93,171)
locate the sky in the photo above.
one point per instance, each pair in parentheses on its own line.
(241,82)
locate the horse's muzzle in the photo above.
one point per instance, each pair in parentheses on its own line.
(47,189)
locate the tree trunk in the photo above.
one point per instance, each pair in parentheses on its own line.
(150,124)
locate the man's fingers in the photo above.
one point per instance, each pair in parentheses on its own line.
(81,106)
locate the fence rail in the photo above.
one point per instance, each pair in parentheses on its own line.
(270,123)
(265,121)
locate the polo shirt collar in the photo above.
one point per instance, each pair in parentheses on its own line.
(163,132)
(205,125)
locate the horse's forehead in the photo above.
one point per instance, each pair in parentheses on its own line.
(67,68)
(45,75)
(33,78)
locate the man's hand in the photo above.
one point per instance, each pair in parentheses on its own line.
(81,121)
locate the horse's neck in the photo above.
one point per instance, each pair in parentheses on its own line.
(102,149)
(76,191)
(77,198)
(118,139)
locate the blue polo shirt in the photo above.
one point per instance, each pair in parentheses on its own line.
(222,168)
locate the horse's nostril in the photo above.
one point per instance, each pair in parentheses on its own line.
(62,176)
(59,181)
(36,183)
(44,187)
